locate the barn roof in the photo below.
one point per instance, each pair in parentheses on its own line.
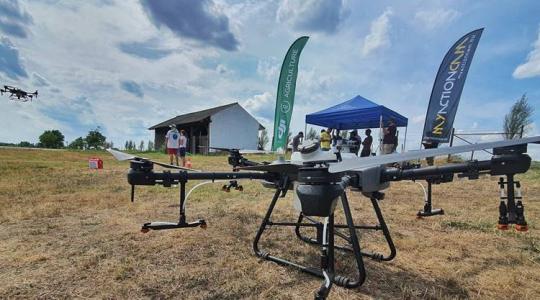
(196,116)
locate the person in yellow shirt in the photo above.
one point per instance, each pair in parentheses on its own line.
(326,139)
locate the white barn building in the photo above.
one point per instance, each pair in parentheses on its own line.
(227,126)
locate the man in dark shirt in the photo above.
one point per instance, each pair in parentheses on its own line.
(389,140)
(296,141)
(354,142)
(366,144)
(430,145)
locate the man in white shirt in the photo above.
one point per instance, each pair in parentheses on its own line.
(172,140)
(182,145)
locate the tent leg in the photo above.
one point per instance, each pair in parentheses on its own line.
(380,134)
(404,140)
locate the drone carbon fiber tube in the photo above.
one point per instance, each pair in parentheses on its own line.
(395,174)
(497,165)
(167,178)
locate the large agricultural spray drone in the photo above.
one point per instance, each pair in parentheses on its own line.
(18,94)
(318,180)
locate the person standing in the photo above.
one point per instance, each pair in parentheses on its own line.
(354,141)
(430,145)
(172,139)
(296,141)
(337,143)
(366,144)
(389,139)
(326,139)
(182,145)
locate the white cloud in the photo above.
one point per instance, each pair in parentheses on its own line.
(262,107)
(418,119)
(268,69)
(259,102)
(432,19)
(378,34)
(222,69)
(86,61)
(531,67)
(312,15)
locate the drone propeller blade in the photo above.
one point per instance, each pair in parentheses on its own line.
(121,155)
(365,162)
(245,151)
(274,168)
(222,149)
(255,152)
(172,166)
(219,148)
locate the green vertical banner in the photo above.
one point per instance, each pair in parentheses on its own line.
(285,94)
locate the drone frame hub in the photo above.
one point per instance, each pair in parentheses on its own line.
(318,191)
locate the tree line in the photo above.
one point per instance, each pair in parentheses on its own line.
(54,139)
(132,146)
(516,123)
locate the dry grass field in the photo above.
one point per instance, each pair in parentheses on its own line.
(71,232)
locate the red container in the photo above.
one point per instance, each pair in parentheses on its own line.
(95,163)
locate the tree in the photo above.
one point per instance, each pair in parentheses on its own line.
(95,139)
(126,146)
(150,146)
(519,117)
(141,146)
(263,140)
(78,144)
(312,134)
(25,144)
(51,139)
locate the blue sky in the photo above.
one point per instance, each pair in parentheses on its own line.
(127,65)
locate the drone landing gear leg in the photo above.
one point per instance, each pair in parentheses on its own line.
(182,218)
(326,238)
(352,237)
(327,258)
(511,210)
(428,211)
(326,271)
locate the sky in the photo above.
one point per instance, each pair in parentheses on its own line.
(127,65)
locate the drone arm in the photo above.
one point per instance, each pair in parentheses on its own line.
(497,165)
(136,177)
(428,172)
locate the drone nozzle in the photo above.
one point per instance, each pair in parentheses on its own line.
(522,228)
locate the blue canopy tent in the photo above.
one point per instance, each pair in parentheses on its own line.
(356,113)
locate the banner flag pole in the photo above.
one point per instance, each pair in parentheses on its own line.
(447,89)
(285,94)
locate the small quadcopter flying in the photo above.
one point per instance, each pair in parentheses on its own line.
(17,94)
(319,181)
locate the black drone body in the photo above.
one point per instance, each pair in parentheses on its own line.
(319,183)
(18,94)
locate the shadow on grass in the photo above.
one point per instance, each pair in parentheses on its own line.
(385,280)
